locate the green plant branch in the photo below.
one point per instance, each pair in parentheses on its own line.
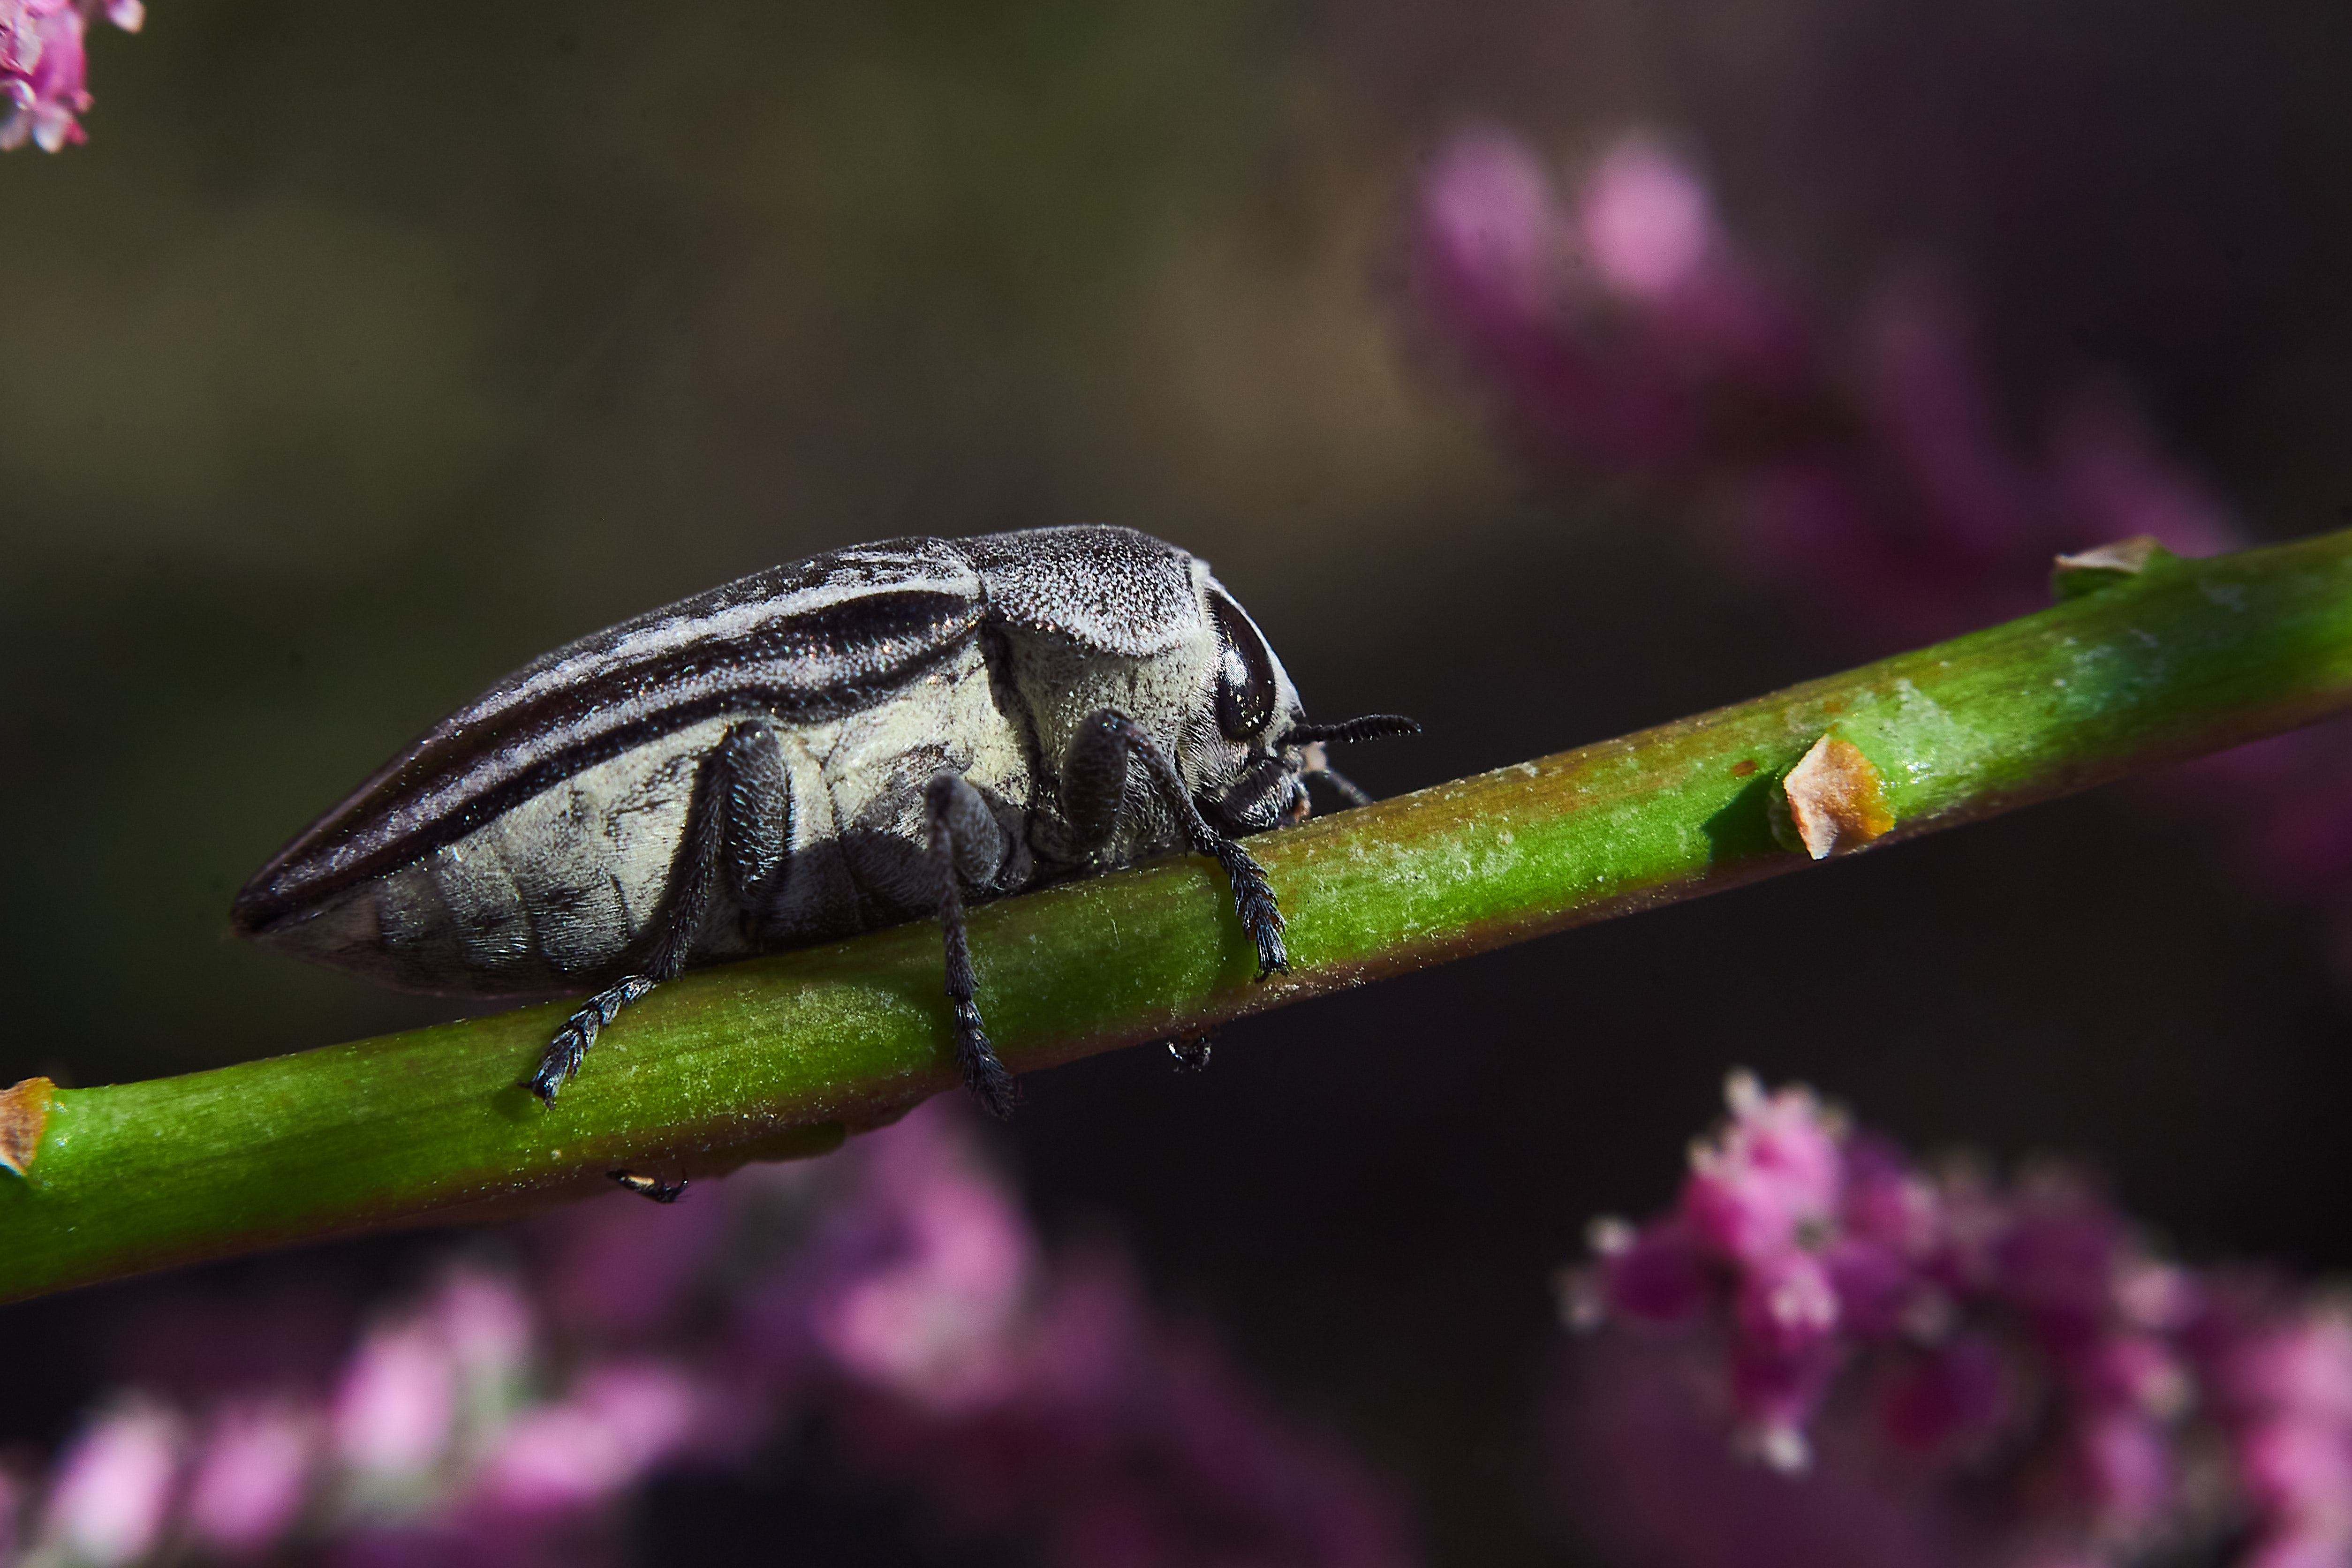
(783,1056)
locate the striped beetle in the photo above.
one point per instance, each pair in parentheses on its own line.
(870,735)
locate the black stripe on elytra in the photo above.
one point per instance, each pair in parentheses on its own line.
(848,653)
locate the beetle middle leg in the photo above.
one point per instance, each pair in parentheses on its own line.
(1093,786)
(963,840)
(734,837)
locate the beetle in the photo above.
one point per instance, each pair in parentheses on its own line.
(870,735)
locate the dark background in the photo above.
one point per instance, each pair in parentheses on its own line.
(366,351)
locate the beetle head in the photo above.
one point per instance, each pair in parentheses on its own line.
(1269,746)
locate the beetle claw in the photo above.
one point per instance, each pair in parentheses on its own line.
(984,1074)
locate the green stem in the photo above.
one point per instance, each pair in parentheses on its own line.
(783,1056)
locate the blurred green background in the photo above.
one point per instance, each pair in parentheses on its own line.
(364,352)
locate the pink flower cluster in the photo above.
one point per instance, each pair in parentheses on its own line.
(1617,328)
(2012,1360)
(43,67)
(891,1299)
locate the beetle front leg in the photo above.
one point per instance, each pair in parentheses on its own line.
(734,835)
(1094,784)
(963,838)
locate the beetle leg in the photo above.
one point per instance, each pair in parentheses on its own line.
(570,1047)
(733,836)
(961,837)
(1094,782)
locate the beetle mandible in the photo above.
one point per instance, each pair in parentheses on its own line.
(869,735)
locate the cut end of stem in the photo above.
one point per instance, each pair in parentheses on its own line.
(24,1112)
(2106,566)
(1836,798)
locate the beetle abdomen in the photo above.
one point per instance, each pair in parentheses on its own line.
(547,896)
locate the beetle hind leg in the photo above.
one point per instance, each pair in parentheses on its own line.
(564,1053)
(961,838)
(733,840)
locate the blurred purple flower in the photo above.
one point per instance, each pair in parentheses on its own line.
(1615,328)
(43,67)
(1618,326)
(251,1477)
(620,1423)
(394,1414)
(1773,1177)
(893,1297)
(110,1500)
(2010,1376)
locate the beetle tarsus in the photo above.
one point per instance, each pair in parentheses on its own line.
(570,1047)
(1253,901)
(984,1075)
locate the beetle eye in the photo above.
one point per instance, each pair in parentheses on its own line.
(1245,673)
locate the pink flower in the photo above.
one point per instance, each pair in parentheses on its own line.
(1881,1293)
(1775,1395)
(1786,1304)
(2298,1549)
(623,1420)
(2127,1468)
(2304,1365)
(932,1326)
(43,66)
(485,1325)
(42,73)
(2300,1469)
(114,1486)
(2135,1370)
(251,1480)
(1769,1177)
(1948,1402)
(1492,232)
(395,1412)
(2029,1369)
(1659,1273)
(2058,1260)
(893,1294)
(1647,220)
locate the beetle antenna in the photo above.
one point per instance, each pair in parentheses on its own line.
(1372,726)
